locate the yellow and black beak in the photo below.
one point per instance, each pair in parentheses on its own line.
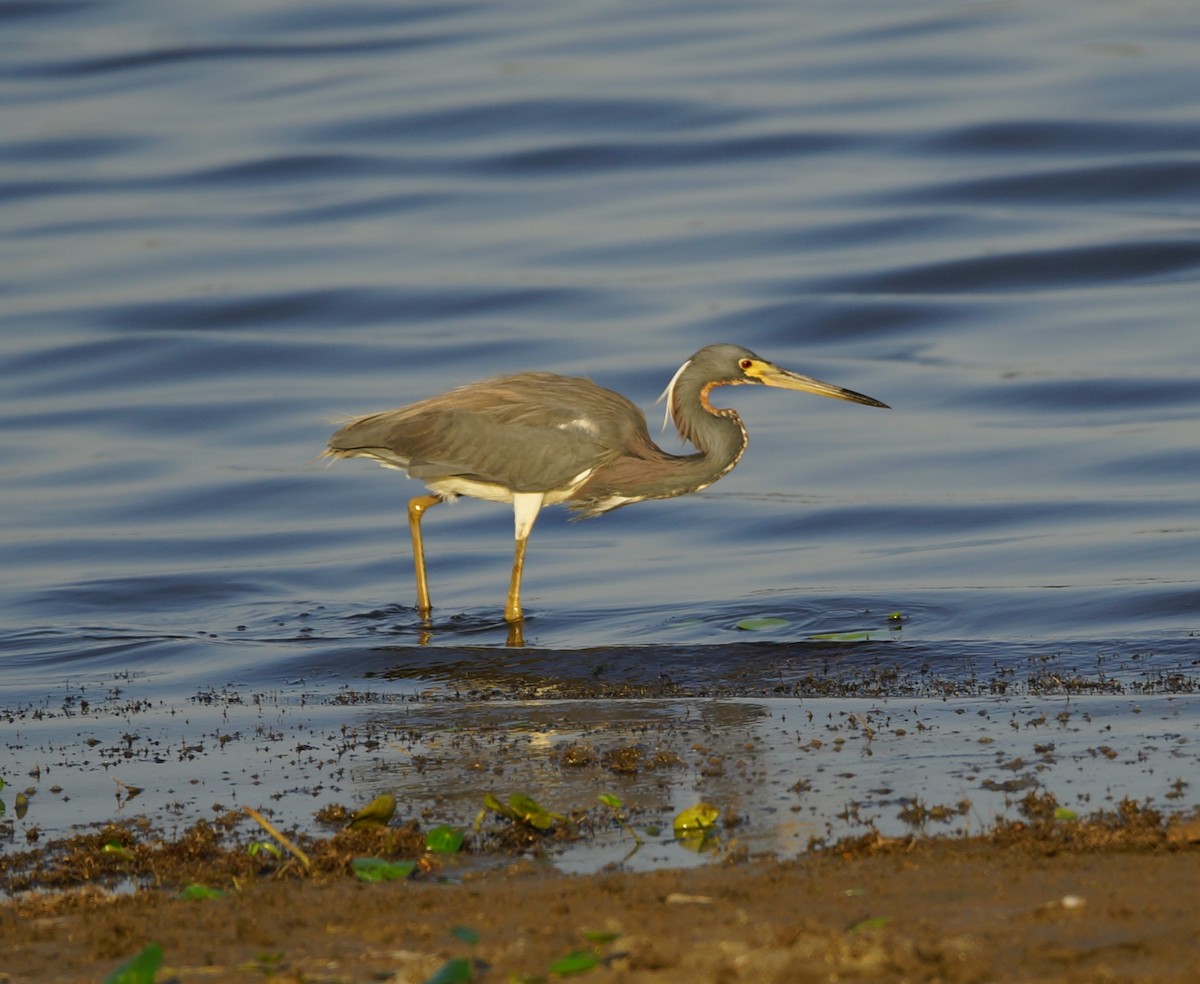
(768,374)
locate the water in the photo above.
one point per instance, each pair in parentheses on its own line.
(224,226)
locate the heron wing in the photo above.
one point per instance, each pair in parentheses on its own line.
(533,432)
(521,457)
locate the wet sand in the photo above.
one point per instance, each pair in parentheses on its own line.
(1112,899)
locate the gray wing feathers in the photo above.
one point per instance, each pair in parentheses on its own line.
(533,432)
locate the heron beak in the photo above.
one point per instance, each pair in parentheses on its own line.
(772,375)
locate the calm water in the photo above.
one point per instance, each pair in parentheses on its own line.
(224,225)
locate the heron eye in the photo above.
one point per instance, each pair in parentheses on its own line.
(746,363)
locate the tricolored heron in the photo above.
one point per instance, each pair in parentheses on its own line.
(537,439)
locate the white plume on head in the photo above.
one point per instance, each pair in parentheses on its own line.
(669,395)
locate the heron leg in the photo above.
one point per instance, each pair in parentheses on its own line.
(512,608)
(526,506)
(416,509)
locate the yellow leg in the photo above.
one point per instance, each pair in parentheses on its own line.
(416,509)
(512,610)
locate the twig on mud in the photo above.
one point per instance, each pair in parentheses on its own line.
(282,838)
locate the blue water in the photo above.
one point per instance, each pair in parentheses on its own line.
(223,226)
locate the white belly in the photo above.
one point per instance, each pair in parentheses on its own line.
(451,487)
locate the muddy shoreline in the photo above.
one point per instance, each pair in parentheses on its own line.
(1110,897)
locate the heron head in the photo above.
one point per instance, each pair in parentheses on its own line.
(760,371)
(733,365)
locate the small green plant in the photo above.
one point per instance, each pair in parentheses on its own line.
(579,961)
(575,962)
(444,840)
(198,892)
(378,870)
(139,969)
(614,803)
(255,848)
(377,813)
(457,971)
(460,969)
(520,809)
(117,849)
(867,925)
(465,934)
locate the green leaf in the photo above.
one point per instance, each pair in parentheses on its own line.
(866,925)
(610,799)
(457,971)
(696,818)
(140,969)
(115,847)
(1065,813)
(378,870)
(465,933)
(375,814)
(198,891)
(22,805)
(532,812)
(575,963)
(444,840)
(758,624)
(263,847)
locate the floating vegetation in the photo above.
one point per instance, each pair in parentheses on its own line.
(857,635)
(759,624)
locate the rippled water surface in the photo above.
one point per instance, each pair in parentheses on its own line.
(225,225)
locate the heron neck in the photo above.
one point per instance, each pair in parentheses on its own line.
(717,432)
(649,472)
(720,439)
